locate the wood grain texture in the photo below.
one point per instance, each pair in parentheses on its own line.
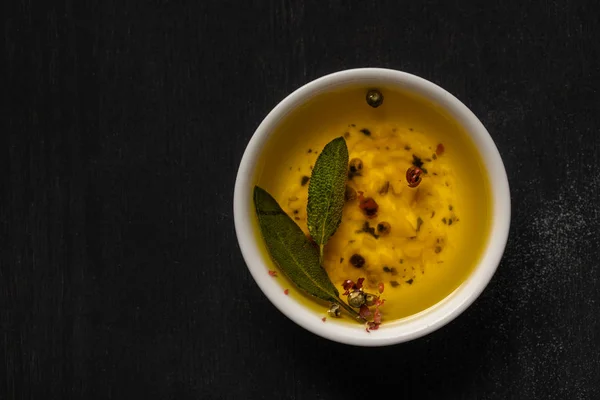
(120,274)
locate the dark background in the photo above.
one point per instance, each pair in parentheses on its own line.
(123,127)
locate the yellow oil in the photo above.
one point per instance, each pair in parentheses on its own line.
(438,230)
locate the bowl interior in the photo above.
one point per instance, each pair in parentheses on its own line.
(282,129)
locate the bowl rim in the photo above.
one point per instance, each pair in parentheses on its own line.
(429,320)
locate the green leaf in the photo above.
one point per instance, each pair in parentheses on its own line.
(292,251)
(326,190)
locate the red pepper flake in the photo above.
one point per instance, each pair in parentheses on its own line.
(377,316)
(286,291)
(324,319)
(372,326)
(359,283)
(349,284)
(273,273)
(380,287)
(440,149)
(364,311)
(368,205)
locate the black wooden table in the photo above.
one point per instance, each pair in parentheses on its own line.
(122,131)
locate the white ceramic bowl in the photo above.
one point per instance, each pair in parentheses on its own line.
(419,324)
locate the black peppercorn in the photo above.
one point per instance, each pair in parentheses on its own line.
(357,260)
(383,228)
(370,299)
(350,193)
(356,299)
(374,98)
(334,310)
(356,165)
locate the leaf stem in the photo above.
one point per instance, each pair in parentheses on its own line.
(321,247)
(350,310)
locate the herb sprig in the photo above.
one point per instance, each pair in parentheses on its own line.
(295,254)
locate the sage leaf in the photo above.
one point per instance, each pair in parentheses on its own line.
(293,252)
(326,190)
